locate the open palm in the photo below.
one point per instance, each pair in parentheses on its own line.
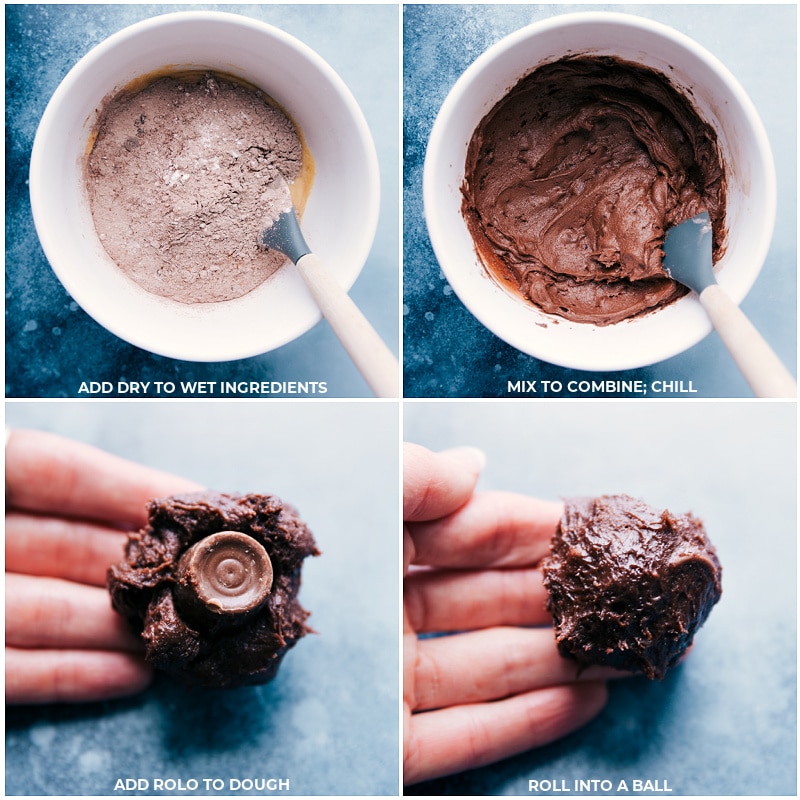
(498,686)
(67,507)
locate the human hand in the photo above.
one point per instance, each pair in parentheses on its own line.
(67,507)
(500,686)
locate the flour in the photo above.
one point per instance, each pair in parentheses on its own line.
(177,180)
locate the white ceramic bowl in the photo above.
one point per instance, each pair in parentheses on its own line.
(340,218)
(717,97)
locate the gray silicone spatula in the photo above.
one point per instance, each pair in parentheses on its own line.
(687,259)
(367,350)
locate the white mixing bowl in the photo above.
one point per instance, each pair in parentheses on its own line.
(718,98)
(339,221)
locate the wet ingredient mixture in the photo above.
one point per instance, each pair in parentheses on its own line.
(176,178)
(210,584)
(573,178)
(629,585)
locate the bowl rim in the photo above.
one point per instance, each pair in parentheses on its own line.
(436,152)
(223,350)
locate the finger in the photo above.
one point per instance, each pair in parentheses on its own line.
(408,550)
(457,600)
(435,484)
(72,676)
(51,474)
(59,548)
(464,737)
(495,529)
(492,664)
(53,613)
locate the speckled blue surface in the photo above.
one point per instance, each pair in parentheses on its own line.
(51,344)
(724,721)
(447,352)
(329,721)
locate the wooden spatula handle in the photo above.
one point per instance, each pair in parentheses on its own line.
(761,368)
(367,350)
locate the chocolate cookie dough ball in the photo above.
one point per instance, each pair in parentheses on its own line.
(629,585)
(211,586)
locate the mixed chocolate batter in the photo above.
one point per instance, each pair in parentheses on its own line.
(629,585)
(573,178)
(211,586)
(176,180)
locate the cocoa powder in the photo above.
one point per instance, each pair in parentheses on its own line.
(177,179)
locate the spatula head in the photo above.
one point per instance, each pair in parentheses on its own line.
(688,253)
(281,229)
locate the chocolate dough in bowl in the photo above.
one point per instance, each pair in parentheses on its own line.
(550,174)
(573,179)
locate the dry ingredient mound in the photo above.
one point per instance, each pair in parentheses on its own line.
(176,179)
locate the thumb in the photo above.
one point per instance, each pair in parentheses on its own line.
(436,484)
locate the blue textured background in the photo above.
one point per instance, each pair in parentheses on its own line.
(51,344)
(724,722)
(447,352)
(329,721)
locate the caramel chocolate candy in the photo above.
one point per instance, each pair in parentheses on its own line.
(629,585)
(211,584)
(225,575)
